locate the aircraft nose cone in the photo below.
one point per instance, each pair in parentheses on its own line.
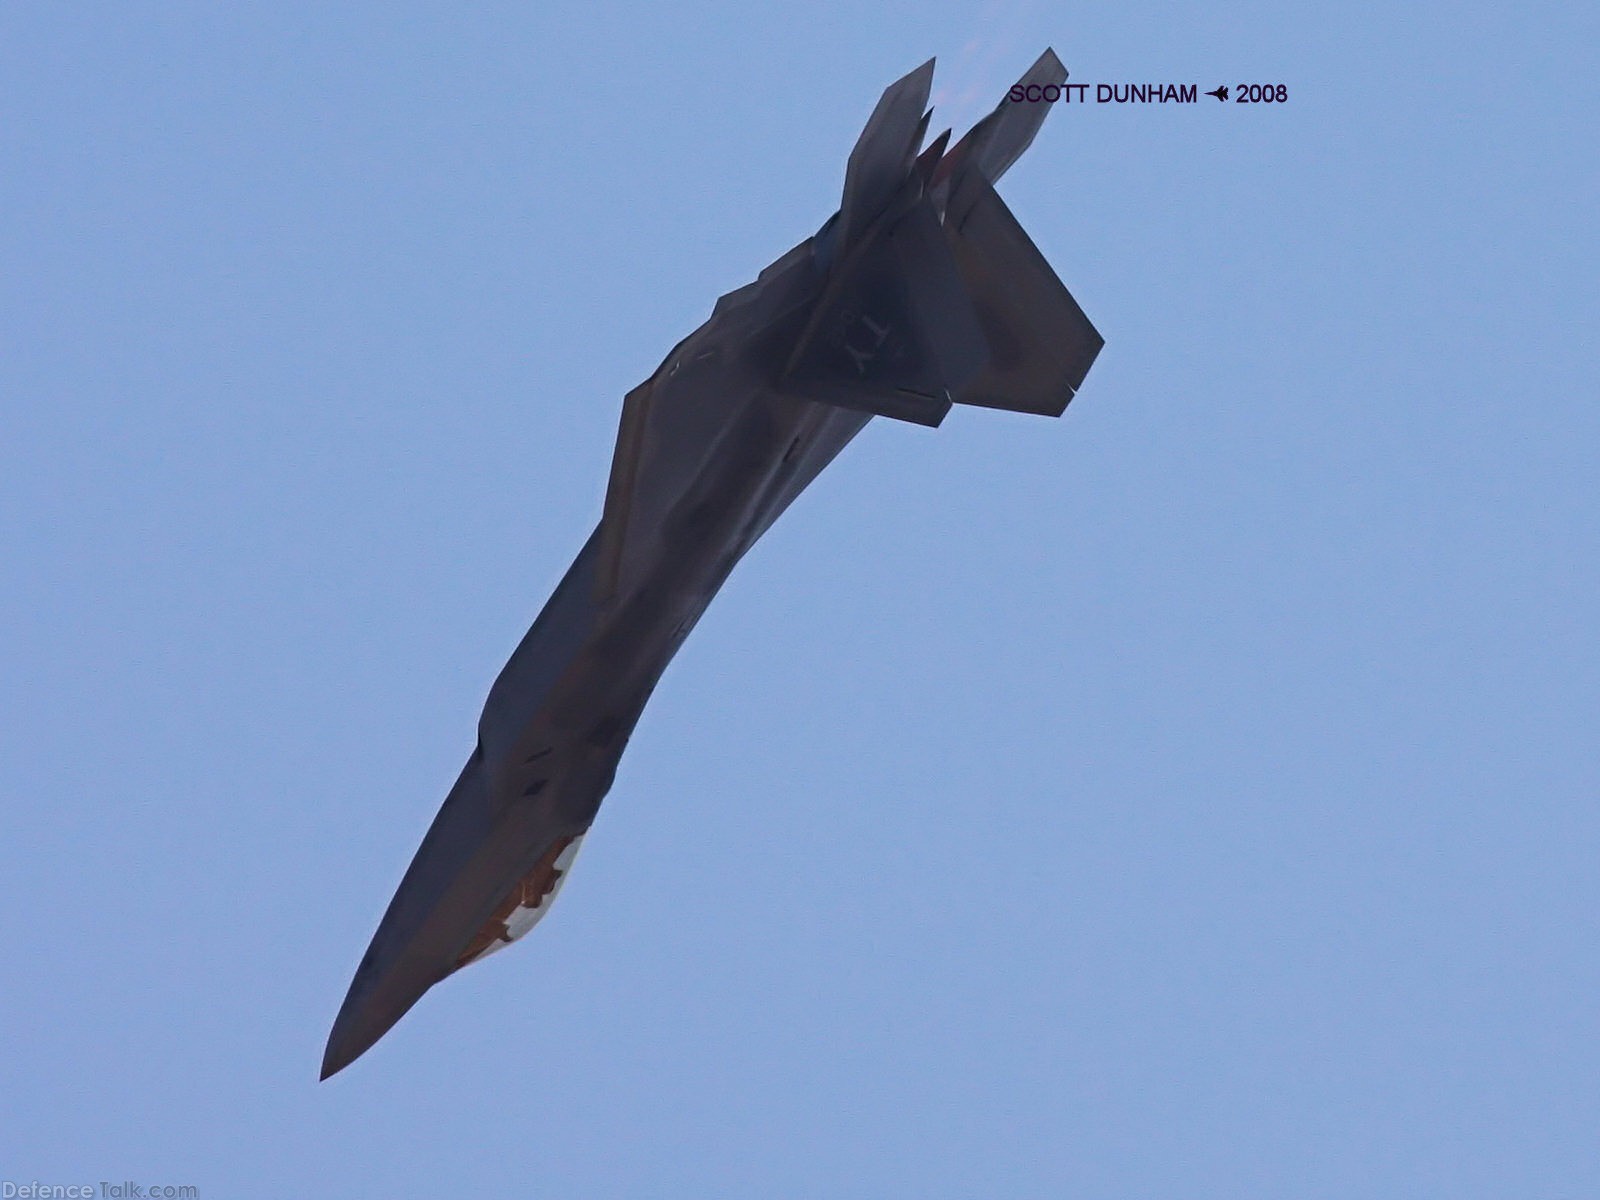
(377,999)
(354,1032)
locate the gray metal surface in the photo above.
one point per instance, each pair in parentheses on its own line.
(922,292)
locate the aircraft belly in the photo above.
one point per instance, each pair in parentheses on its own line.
(920,292)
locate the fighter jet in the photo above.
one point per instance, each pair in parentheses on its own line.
(921,292)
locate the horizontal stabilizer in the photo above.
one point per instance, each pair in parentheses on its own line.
(895,333)
(1040,344)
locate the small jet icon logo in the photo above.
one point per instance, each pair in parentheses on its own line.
(1220,93)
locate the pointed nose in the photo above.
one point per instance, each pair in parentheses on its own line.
(377,999)
(354,1033)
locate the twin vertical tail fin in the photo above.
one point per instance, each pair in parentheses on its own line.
(936,295)
(997,141)
(884,152)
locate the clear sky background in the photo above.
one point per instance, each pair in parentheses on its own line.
(1198,796)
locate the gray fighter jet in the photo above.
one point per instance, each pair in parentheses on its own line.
(921,292)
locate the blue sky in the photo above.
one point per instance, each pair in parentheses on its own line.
(1197,796)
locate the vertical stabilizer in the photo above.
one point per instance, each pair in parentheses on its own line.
(885,150)
(997,141)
